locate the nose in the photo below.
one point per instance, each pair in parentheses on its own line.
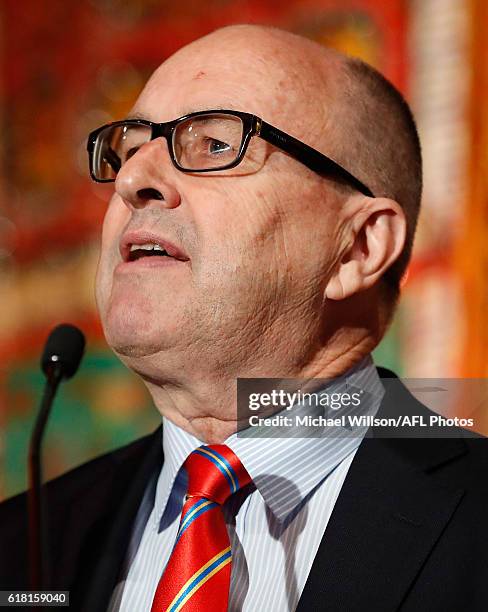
(148,176)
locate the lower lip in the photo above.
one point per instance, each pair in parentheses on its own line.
(148,262)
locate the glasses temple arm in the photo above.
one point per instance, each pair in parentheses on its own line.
(313,159)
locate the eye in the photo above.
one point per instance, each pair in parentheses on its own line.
(216,146)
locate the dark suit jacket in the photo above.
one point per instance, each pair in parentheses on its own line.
(409,530)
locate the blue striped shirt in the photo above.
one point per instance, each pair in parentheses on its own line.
(274,531)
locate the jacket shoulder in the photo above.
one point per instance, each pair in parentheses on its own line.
(74,501)
(86,475)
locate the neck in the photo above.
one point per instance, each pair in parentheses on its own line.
(203,399)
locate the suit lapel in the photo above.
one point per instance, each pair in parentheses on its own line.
(110,536)
(387,518)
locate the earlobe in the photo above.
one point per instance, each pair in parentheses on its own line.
(378,234)
(334,289)
(345,282)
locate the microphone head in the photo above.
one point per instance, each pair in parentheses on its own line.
(63,350)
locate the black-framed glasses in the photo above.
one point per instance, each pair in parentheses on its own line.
(204,141)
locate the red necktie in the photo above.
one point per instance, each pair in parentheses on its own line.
(197,576)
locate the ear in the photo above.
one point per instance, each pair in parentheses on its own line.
(377,236)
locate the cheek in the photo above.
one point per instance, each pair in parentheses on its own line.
(237,215)
(264,233)
(258,221)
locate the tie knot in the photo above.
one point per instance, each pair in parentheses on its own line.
(215,472)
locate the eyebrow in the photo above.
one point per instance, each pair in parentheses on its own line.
(185,111)
(136,115)
(191,109)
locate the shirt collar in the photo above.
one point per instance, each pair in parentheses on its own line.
(284,470)
(177,445)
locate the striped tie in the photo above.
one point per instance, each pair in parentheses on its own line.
(197,575)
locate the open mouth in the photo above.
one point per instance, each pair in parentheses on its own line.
(138,245)
(137,251)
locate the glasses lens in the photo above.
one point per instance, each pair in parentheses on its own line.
(114,146)
(207,142)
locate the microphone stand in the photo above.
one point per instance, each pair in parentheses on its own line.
(38,534)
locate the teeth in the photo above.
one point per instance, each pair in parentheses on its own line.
(148,246)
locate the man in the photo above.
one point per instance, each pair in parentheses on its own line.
(231,250)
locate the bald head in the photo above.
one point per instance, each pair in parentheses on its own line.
(293,75)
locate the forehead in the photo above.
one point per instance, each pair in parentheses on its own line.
(193,80)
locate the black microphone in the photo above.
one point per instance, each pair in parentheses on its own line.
(63,351)
(60,360)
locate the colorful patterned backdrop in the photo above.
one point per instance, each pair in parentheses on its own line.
(69,66)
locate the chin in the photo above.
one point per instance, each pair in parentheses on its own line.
(134,331)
